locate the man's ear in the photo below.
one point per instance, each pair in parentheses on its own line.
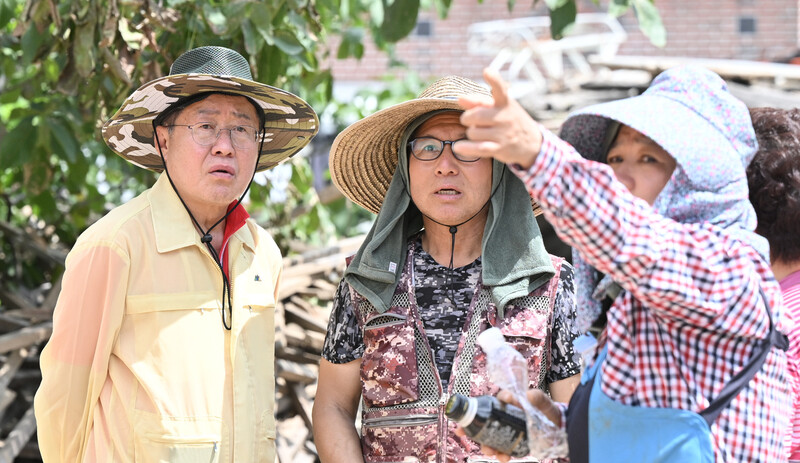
(163,138)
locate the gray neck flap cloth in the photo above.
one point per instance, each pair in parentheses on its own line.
(514,259)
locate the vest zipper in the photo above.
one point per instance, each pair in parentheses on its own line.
(407,420)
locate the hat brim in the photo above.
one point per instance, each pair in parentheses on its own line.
(290,123)
(363,157)
(678,129)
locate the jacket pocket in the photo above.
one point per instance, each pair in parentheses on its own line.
(158,448)
(389,365)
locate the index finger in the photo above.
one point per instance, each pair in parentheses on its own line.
(498,85)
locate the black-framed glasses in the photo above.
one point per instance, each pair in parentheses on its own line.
(206,133)
(429,149)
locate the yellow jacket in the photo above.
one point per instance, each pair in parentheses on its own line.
(139,366)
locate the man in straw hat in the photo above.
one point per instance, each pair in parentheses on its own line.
(454,250)
(651,191)
(163,335)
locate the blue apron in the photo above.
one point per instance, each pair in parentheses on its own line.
(601,430)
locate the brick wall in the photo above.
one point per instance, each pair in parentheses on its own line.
(712,29)
(695,28)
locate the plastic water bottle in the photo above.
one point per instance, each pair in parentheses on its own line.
(490,422)
(509,370)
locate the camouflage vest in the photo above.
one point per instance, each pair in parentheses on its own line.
(402,398)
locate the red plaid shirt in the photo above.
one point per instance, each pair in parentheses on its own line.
(691,312)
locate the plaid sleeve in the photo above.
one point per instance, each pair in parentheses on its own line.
(688,273)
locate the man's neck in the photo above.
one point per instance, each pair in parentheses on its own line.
(437,241)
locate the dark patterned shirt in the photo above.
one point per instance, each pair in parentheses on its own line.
(444,296)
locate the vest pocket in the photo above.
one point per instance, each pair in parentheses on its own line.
(400,439)
(389,363)
(527,331)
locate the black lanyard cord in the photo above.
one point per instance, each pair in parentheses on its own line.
(205,235)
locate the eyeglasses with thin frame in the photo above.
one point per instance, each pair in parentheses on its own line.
(206,133)
(430,148)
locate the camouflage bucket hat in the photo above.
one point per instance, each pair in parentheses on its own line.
(290,122)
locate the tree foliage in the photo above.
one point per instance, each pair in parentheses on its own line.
(65,67)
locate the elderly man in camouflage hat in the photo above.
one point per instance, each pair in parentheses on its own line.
(162,345)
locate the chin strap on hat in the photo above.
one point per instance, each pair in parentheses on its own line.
(454,229)
(205,235)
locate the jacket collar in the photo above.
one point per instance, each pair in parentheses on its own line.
(171,222)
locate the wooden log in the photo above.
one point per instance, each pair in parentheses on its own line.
(9,369)
(18,437)
(295,372)
(24,239)
(326,285)
(302,403)
(25,337)
(293,285)
(31,314)
(7,397)
(292,436)
(726,68)
(308,340)
(8,324)
(295,355)
(297,312)
(12,299)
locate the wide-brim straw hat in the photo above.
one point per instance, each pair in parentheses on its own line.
(364,156)
(290,122)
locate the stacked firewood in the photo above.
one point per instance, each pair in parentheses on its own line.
(308,286)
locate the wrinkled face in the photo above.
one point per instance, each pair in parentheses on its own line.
(210,177)
(446,189)
(640,164)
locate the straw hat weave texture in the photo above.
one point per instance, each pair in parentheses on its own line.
(363,157)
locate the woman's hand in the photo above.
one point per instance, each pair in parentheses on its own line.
(499,127)
(538,399)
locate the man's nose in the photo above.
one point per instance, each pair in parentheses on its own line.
(447,162)
(223,145)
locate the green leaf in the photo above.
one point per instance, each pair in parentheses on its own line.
(287,42)
(84,49)
(6,12)
(17,144)
(216,20)
(251,43)
(132,38)
(352,43)
(377,12)
(556,4)
(31,41)
(400,17)
(650,22)
(561,18)
(261,17)
(76,175)
(37,173)
(270,65)
(65,138)
(617,8)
